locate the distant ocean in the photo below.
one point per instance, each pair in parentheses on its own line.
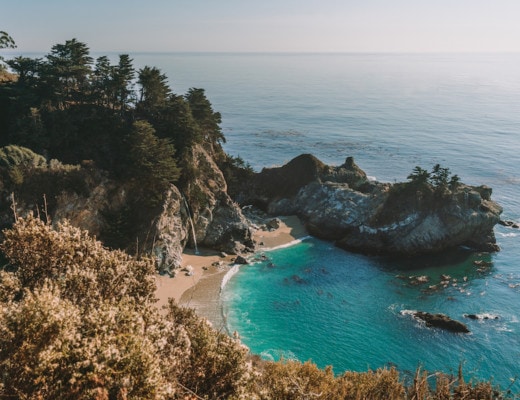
(390,112)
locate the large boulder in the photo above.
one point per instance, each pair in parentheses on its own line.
(341,204)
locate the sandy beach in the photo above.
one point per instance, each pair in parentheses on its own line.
(201,289)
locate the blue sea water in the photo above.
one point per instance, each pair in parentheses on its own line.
(390,112)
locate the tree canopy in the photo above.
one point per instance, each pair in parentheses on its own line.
(6,41)
(70,92)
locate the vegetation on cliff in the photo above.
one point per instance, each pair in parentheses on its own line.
(101,119)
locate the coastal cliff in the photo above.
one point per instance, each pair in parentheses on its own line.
(341,204)
(195,212)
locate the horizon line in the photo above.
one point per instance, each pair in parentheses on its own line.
(7,52)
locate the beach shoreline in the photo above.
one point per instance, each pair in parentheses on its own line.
(201,288)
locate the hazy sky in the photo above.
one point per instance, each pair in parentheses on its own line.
(266,25)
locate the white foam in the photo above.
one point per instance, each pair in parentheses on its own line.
(290,244)
(232,271)
(507,234)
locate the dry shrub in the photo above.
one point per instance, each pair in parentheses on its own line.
(293,380)
(83,269)
(380,384)
(217,366)
(77,321)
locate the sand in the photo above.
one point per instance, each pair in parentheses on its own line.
(201,290)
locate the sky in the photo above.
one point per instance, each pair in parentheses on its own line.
(266,25)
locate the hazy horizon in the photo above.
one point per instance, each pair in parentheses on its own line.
(273,26)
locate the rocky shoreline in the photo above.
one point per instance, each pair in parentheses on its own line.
(336,203)
(342,205)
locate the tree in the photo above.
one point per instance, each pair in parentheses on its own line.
(154,91)
(178,124)
(67,71)
(102,83)
(123,75)
(209,121)
(419,176)
(6,41)
(152,161)
(439,176)
(26,68)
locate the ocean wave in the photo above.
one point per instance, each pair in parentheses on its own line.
(232,271)
(482,316)
(507,234)
(277,354)
(290,244)
(407,312)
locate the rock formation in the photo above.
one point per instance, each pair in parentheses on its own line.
(163,231)
(441,321)
(341,204)
(218,221)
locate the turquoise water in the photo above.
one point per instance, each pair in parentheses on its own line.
(391,112)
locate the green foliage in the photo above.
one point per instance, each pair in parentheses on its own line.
(6,41)
(16,156)
(71,108)
(154,91)
(419,176)
(439,177)
(66,72)
(152,161)
(16,163)
(121,227)
(237,173)
(208,120)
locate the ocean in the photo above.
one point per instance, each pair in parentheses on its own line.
(391,112)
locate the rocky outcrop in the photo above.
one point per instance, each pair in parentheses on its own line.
(164,230)
(441,321)
(218,221)
(170,232)
(341,204)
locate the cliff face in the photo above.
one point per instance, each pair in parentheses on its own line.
(340,204)
(218,221)
(201,214)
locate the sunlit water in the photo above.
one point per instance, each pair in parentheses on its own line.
(391,112)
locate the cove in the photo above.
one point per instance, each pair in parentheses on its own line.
(312,301)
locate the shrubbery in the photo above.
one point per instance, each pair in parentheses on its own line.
(78,321)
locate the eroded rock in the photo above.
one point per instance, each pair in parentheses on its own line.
(341,204)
